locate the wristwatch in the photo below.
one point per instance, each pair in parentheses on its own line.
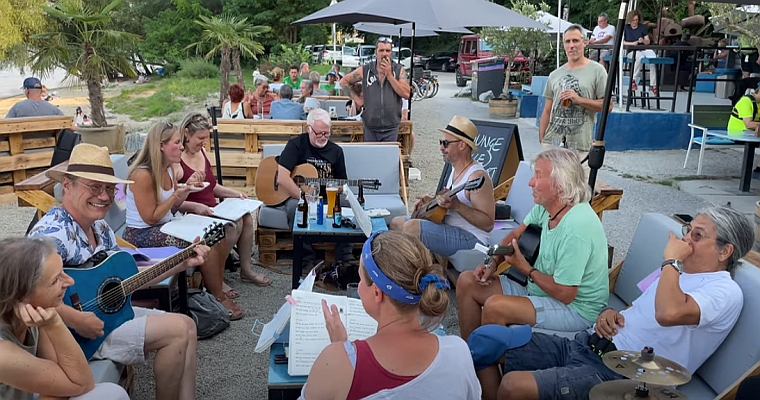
(678,265)
(530,277)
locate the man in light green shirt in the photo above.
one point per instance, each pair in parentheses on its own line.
(744,114)
(293,80)
(568,284)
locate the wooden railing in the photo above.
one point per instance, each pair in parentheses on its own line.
(26,148)
(241,143)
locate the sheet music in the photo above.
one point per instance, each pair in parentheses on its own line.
(234,209)
(190,226)
(308,334)
(360,215)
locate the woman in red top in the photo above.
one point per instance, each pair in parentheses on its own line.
(195,130)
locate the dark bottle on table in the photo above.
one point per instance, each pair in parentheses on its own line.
(361,196)
(337,218)
(303,212)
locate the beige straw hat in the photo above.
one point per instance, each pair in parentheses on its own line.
(464,129)
(90,162)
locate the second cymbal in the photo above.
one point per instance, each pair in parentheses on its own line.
(626,390)
(657,370)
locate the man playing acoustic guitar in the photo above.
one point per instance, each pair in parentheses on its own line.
(80,231)
(470,214)
(568,285)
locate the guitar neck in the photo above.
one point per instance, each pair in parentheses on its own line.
(139,280)
(325,181)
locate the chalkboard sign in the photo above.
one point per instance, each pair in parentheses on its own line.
(499,151)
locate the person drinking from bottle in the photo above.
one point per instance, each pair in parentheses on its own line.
(574,94)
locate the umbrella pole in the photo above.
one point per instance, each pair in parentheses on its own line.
(596,154)
(411,63)
(400,31)
(215,132)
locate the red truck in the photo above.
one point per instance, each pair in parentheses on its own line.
(472,47)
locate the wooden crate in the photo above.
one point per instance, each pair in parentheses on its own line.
(276,247)
(26,147)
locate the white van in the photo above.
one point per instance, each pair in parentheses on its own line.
(357,56)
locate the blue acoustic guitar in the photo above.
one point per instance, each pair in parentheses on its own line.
(106,289)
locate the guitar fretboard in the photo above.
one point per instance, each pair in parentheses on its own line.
(325,181)
(138,280)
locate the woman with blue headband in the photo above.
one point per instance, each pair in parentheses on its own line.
(399,284)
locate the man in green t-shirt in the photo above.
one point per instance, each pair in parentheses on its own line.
(568,285)
(330,85)
(744,114)
(293,80)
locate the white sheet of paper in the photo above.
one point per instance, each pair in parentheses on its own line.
(234,209)
(360,215)
(190,226)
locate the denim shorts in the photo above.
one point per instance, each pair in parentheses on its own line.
(445,239)
(551,313)
(564,369)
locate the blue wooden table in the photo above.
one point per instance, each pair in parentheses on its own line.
(751,142)
(280,385)
(325,233)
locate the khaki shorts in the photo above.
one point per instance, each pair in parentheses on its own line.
(126,345)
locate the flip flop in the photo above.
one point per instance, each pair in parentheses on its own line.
(257,279)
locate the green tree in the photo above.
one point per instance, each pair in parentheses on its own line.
(512,42)
(229,36)
(83,46)
(18,20)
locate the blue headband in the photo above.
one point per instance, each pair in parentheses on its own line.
(392,289)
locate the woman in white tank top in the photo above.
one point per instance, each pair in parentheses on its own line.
(399,284)
(237,106)
(154,196)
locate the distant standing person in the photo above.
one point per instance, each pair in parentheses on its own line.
(604,34)
(33,105)
(305,70)
(574,94)
(384,84)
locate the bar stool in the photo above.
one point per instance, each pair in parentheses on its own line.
(645,82)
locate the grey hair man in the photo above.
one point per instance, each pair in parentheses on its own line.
(384,84)
(568,283)
(604,34)
(286,108)
(33,105)
(685,314)
(314,78)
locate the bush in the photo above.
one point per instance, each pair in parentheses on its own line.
(197,68)
(286,56)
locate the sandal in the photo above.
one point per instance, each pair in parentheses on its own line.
(257,279)
(230,292)
(233,309)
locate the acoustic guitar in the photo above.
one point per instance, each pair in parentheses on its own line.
(270,193)
(431,211)
(106,288)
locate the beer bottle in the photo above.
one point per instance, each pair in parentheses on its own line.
(302,213)
(337,218)
(361,196)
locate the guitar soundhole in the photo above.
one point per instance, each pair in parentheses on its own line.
(299,180)
(111,297)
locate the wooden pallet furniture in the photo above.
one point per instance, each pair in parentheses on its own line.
(26,149)
(241,143)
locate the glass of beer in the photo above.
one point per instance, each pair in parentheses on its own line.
(332,194)
(566,102)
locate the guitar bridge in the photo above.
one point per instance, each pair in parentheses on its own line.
(75,302)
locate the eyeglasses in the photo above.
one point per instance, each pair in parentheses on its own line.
(97,190)
(696,234)
(446,143)
(318,134)
(384,39)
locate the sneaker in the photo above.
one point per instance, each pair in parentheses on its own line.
(655,91)
(634,87)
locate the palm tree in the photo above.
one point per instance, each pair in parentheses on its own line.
(85,47)
(230,36)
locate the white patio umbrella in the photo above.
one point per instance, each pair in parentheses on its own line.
(556,25)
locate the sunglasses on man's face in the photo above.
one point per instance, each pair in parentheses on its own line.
(446,143)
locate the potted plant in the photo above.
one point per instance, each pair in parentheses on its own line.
(512,43)
(83,45)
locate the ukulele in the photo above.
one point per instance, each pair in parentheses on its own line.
(433,213)
(270,193)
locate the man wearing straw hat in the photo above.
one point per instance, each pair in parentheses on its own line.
(470,214)
(79,230)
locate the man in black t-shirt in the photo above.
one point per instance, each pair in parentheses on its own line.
(313,147)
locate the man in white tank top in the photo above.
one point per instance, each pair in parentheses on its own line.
(470,213)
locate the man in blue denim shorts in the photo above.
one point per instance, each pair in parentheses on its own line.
(470,214)
(684,315)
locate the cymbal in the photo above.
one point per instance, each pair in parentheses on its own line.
(626,390)
(646,367)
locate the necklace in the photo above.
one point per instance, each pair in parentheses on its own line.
(555,215)
(456,178)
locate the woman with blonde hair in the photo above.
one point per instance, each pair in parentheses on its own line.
(195,130)
(277,75)
(403,360)
(155,196)
(40,359)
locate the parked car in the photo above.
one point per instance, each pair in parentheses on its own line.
(316,54)
(361,55)
(471,48)
(443,61)
(332,54)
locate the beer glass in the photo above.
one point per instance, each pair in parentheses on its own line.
(312,197)
(332,194)
(566,102)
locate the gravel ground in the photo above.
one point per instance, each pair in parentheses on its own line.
(228,368)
